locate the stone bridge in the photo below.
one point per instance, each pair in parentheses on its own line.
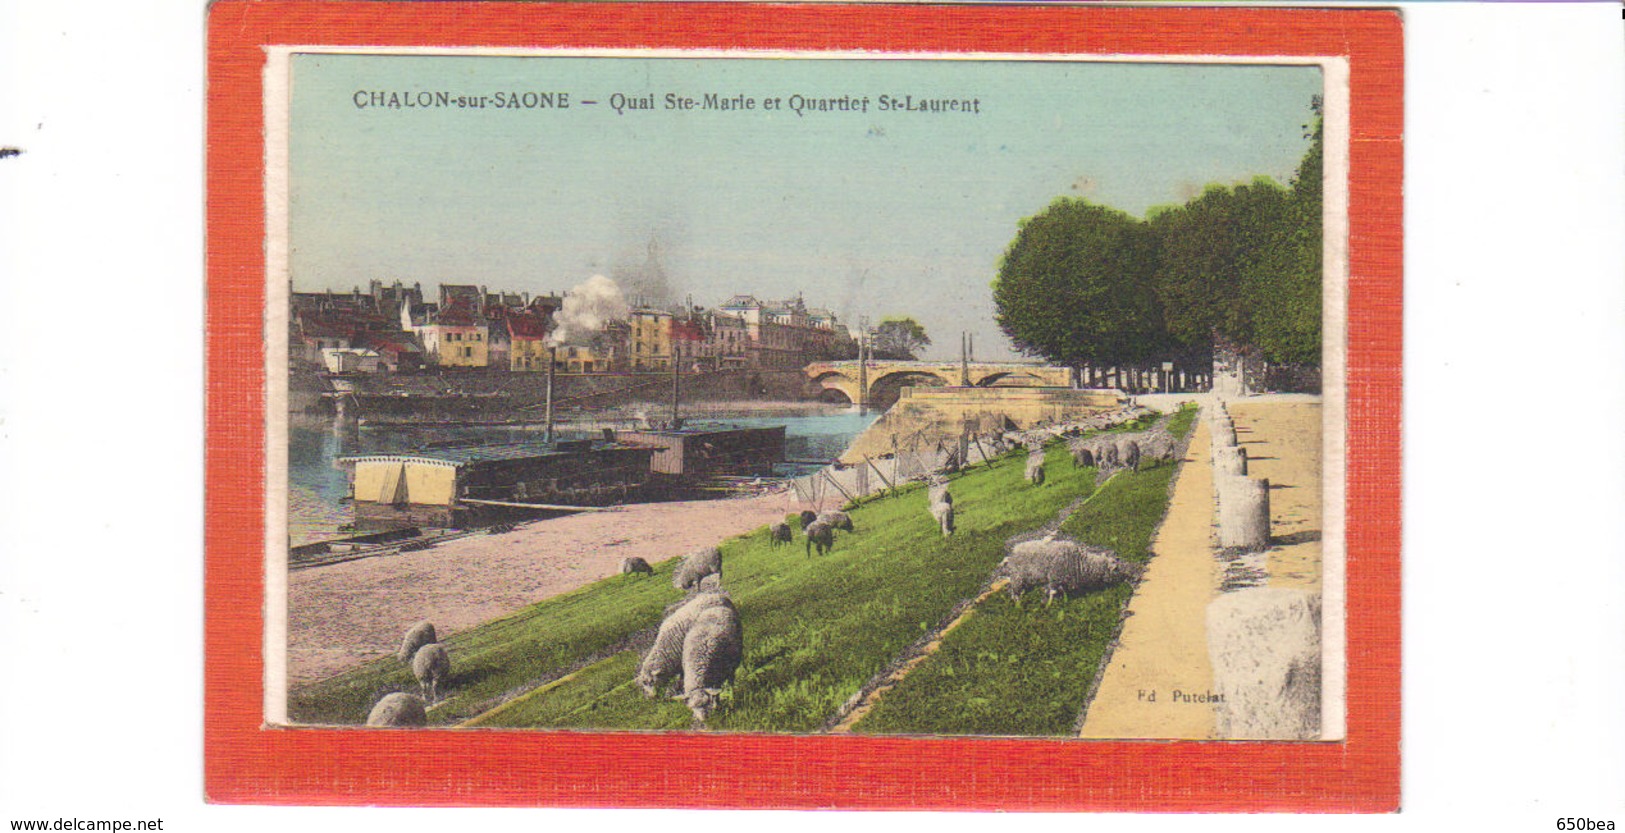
(886,379)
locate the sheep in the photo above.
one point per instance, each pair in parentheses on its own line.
(807,517)
(432,667)
(417,636)
(821,535)
(1083,454)
(1106,455)
(697,565)
(1158,446)
(839,520)
(664,661)
(636,565)
(937,492)
(1062,567)
(1035,467)
(779,534)
(1128,453)
(399,709)
(712,649)
(944,513)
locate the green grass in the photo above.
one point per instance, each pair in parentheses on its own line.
(502,655)
(1009,670)
(817,630)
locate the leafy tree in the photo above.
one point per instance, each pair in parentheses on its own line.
(1285,291)
(1084,283)
(1074,286)
(900,339)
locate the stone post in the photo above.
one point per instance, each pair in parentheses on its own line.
(1264,646)
(1244,512)
(1230,460)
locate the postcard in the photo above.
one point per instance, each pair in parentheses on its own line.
(838,388)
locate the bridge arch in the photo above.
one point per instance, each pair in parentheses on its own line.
(833,386)
(1023,378)
(885,390)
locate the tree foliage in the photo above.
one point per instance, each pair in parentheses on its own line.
(1085,283)
(1071,286)
(900,339)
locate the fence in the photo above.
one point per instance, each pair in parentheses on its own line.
(914,457)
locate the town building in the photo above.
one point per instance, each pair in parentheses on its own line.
(651,343)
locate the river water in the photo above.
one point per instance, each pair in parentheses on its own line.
(317,488)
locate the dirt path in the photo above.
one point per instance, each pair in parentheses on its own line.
(1159,677)
(1283,445)
(345,614)
(1163,646)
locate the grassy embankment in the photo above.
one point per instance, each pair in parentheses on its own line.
(815,629)
(1009,670)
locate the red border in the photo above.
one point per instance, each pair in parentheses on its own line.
(245,763)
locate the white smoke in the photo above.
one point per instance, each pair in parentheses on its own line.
(587,308)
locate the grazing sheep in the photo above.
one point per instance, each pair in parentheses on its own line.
(1158,446)
(1083,454)
(712,649)
(1062,568)
(664,661)
(1035,467)
(417,636)
(779,534)
(821,535)
(432,667)
(635,564)
(839,520)
(1106,455)
(399,709)
(697,565)
(944,513)
(807,517)
(937,492)
(1128,454)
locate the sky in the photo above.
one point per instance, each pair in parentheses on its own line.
(876,213)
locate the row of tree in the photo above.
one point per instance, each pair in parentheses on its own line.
(1087,284)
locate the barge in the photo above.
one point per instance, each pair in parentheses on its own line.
(463,486)
(688,454)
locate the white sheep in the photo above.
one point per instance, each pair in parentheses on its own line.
(664,661)
(779,534)
(432,666)
(417,636)
(712,649)
(636,566)
(1035,467)
(1062,567)
(1128,453)
(1106,455)
(399,709)
(697,565)
(944,513)
(1083,453)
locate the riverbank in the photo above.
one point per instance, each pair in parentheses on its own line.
(345,614)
